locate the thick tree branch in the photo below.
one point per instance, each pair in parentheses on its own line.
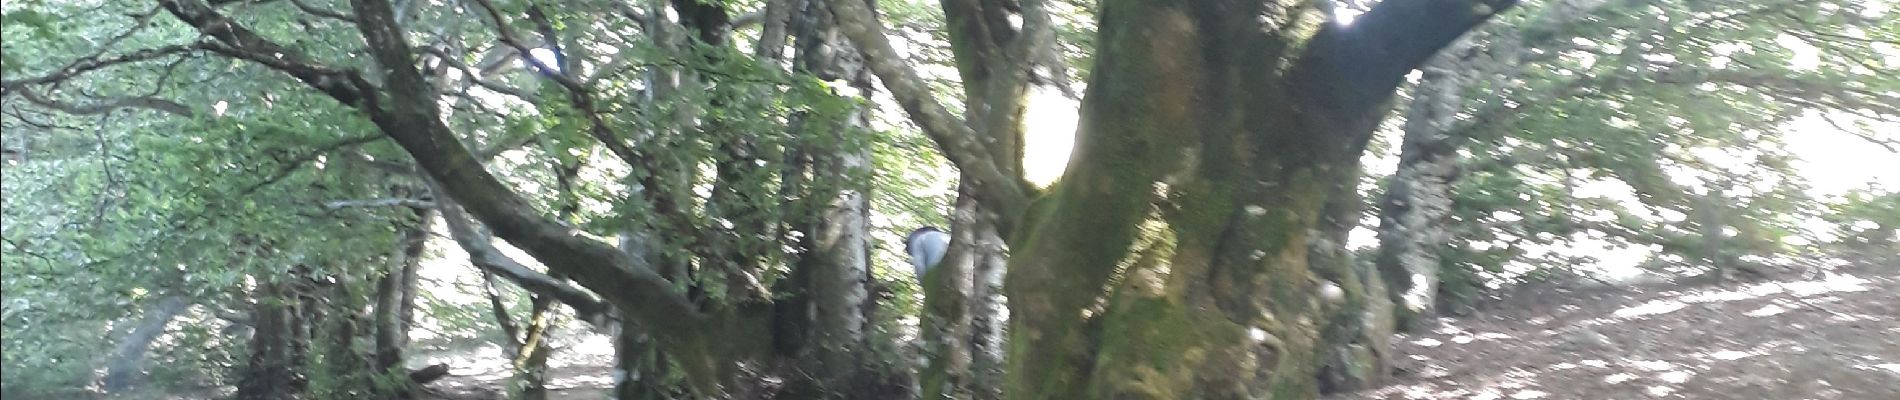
(321,12)
(146,102)
(345,86)
(372,203)
(957,140)
(412,120)
(1356,67)
(482,252)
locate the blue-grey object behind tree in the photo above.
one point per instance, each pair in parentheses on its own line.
(926,246)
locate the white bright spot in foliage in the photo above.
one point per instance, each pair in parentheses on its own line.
(1619,377)
(1530,394)
(1894,368)
(1652,308)
(1675,376)
(1771,309)
(1049,137)
(546,57)
(1653,365)
(1345,15)
(1806,57)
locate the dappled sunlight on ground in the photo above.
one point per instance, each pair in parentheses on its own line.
(1835,335)
(581,368)
(1832,336)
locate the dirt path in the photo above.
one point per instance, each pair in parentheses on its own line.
(1835,336)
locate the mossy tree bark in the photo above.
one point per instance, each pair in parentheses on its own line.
(1171,259)
(1355,336)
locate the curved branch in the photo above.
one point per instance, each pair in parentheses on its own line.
(409,116)
(957,141)
(346,86)
(1357,66)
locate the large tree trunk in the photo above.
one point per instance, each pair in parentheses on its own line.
(124,370)
(1172,259)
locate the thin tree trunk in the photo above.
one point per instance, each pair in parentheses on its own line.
(532,351)
(392,297)
(946,323)
(1416,202)
(348,372)
(270,370)
(640,369)
(124,370)
(1419,195)
(836,276)
(989,314)
(1709,225)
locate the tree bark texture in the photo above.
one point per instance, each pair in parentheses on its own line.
(1355,350)
(946,321)
(1171,260)
(1418,199)
(837,262)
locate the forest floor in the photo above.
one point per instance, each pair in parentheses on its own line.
(1806,335)
(1810,335)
